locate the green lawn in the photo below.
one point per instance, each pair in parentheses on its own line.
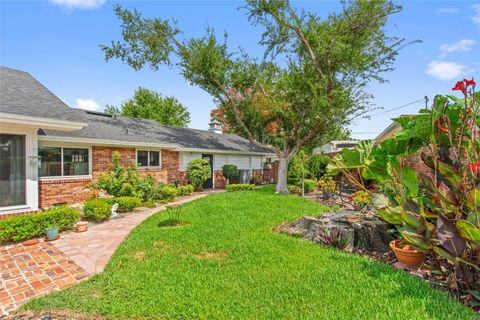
(227,263)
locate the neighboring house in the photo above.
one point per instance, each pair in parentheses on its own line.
(335,146)
(391,130)
(50,153)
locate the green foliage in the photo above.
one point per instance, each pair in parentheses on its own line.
(327,185)
(149,104)
(300,93)
(98,209)
(126,204)
(317,165)
(124,182)
(294,189)
(198,171)
(25,227)
(361,197)
(239,187)
(166,193)
(185,190)
(309,185)
(230,171)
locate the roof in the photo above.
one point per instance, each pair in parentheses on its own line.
(142,131)
(391,130)
(22,94)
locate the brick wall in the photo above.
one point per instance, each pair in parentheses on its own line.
(52,192)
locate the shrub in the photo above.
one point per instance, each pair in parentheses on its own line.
(327,185)
(165,192)
(309,185)
(239,187)
(198,172)
(230,171)
(149,204)
(127,203)
(125,182)
(294,189)
(185,190)
(317,166)
(25,227)
(294,181)
(97,209)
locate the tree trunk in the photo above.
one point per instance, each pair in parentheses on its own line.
(282,186)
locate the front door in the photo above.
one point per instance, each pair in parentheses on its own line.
(12,170)
(209,183)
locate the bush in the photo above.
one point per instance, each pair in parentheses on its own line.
(294,189)
(309,185)
(294,181)
(317,166)
(125,182)
(230,171)
(185,190)
(239,187)
(25,227)
(165,192)
(198,172)
(97,209)
(127,203)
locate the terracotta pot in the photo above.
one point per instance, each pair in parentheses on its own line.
(412,258)
(81,226)
(30,242)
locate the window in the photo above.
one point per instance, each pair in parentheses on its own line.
(148,158)
(58,162)
(12,170)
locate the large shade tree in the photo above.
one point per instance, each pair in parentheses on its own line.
(150,104)
(308,86)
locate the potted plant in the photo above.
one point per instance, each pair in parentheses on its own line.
(407,254)
(52,233)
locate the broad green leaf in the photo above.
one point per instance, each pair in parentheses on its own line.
(408,177)
(391,216)
(449,237)
(473,199)
(468,231)
(379,201)
(417,240)
(411,218)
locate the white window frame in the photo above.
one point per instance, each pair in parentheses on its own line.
(148,158)
(89,175)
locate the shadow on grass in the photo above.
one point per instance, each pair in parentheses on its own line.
(170,223)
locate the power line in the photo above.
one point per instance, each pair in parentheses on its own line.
(396,108)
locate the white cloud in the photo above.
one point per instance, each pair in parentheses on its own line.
(446,70)
(476,17)
(79,4)
(87,104)
(463,45)
(447,10)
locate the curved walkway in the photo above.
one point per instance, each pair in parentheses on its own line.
(28,272)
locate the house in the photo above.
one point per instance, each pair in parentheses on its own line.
(50,153)
(335,146)
(391,130)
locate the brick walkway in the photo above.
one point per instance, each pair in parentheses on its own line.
(33,271)
(28,272)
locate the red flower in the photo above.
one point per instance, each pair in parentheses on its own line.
(469,110)
(475,167)
(469,82)
(439,126)
(460,86)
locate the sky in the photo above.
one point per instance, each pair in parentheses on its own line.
(57,41)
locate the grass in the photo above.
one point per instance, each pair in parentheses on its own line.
(227,263)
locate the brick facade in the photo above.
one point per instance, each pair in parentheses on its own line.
(58,191)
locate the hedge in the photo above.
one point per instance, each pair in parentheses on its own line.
(185,190)
(25,227)
(239,187)
(126,204)
(97,209)
(165,192)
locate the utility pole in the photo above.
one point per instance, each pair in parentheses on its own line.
(426,102)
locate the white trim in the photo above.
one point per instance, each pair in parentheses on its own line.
(106,143)
(222,151)
(40,122)
(68,146)
(148,158)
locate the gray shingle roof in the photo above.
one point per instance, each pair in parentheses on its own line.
(120,128)
(22,94)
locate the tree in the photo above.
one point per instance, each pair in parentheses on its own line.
(230,171)
(198,171)
(309,86)
(149,104)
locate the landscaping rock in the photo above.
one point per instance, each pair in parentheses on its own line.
(369,233)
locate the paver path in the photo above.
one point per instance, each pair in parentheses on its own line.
(27,272)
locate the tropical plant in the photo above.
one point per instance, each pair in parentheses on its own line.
(198,171)
(436,210)
(230,171)
(333,237)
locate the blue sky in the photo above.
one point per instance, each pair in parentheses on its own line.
(58,41)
